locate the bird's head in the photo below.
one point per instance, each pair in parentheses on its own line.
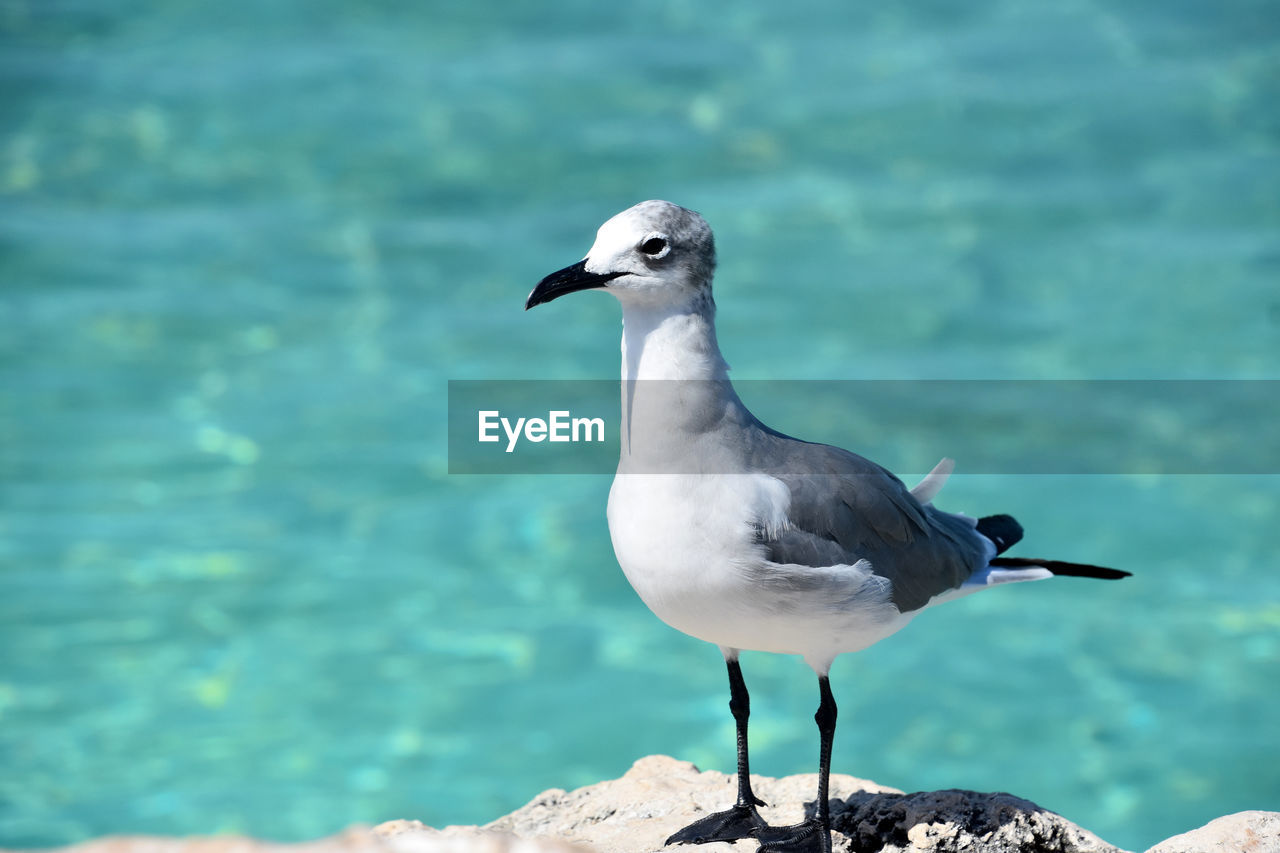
(655,253)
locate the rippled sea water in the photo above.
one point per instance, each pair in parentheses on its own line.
(244,247)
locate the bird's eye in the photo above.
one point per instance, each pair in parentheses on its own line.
(654,247)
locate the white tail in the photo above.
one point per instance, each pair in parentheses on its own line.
(928,488)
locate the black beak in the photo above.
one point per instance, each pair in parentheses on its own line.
(568,280)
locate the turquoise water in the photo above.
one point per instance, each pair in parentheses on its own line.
(244,247)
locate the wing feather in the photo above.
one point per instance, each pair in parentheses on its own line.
(846,508)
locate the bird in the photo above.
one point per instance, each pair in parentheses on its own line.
(750,539)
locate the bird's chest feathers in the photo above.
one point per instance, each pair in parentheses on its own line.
(685,536)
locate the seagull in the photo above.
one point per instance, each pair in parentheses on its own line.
(744,537)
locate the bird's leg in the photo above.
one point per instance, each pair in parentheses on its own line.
(813,835)
(740,707)
(742,820)
(826,720)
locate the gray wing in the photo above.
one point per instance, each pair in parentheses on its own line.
(845,508)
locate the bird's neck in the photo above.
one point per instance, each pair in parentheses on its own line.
(675,383)
(671,342)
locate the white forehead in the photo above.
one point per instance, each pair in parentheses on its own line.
(634,225)
(625,230)
(616,236)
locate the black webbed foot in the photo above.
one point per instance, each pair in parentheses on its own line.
(808,837)
(741,821)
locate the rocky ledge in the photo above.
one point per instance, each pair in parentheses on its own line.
(659,795)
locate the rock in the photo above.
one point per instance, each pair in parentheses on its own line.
(943,821)
(1243,832)
(659,795)
(412,836)
(656,797)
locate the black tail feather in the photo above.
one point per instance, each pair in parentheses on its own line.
(1003,530)
(1074,570)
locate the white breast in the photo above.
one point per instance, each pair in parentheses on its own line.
(680,537)
(689,546)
